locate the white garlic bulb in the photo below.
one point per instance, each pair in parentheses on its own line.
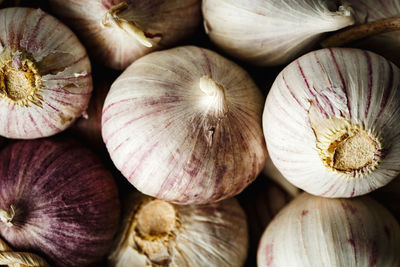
(184,125)
(272,32)
(157,233)
(331,122)
(117,32)
(315,231)
(45,74)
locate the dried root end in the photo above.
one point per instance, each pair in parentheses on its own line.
(349,149)
(155,226)
(20,79)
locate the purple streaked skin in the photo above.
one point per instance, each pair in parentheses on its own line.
(66,202)
(64,68)
(364,91)
(350,232)
(208,158)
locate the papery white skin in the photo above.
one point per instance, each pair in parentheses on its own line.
(65,68)
(386,44)
(206,235)
(315,231)
(170,139)
(353,84)
(170,21)
(271,32)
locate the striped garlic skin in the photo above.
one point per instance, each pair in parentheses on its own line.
(315,231)
(386,44)
(166,22)
(63,64)
(164,134)
(271,32)
(344,83)
(206,235)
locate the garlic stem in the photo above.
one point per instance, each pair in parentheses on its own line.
(362,31)
(216,93)
(111,19)
(6,216)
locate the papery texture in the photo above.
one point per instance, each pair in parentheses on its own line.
(205,235)
(164,23)
(315,231)
(386,44)
(345,88)
(66,202)
(272,32)
(171,139)
(64,68)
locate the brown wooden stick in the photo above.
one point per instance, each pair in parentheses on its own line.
(358,32)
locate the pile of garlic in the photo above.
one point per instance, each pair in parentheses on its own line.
(186,130)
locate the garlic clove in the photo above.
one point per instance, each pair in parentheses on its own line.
(336,103)
(184,125)
(155,232)
(270,33)
(119,32)
(315,231)
(45,75)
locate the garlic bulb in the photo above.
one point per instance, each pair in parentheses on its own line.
(117,32)
(272,32)
(315,231)
(331,122)
(157,233)
(45,74)
(184,125)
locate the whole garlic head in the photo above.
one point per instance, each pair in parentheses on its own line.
(315,231)
(45,74)
(117,32)
(269,32)
(157,233)
(331,122)
(184,125)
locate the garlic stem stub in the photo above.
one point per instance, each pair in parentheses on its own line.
(331,122)
(117,33)
(57,202)
(316,231)
(158,233)
(270,33)
(184,125)
(45,75)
